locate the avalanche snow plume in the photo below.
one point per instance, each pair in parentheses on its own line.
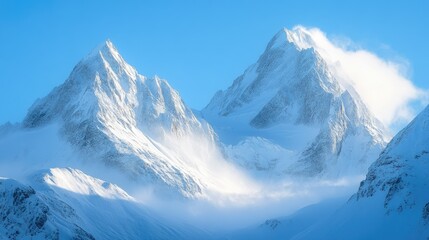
(347,60)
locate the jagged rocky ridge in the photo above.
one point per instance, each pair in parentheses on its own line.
(289,88)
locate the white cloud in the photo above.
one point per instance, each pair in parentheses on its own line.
(381,83)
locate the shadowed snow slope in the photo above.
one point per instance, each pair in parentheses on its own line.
(293,99)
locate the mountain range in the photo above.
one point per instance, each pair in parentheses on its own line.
(75,161)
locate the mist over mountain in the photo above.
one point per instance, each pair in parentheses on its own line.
(113,154)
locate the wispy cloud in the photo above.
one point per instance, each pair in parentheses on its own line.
(234,211)
(382,83)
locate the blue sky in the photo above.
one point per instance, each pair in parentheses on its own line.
(198,46)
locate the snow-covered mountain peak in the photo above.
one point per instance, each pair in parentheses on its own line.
(108,111)
(101,73)
(283,67)
(104,87)
(290,87)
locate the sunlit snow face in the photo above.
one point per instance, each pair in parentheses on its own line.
(381,83)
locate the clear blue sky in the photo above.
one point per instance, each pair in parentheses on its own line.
(198,46)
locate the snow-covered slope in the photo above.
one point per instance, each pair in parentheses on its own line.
(107,112)
(65,203)
(393,201)
(292,98)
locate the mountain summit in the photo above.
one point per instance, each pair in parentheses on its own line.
(292,98)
